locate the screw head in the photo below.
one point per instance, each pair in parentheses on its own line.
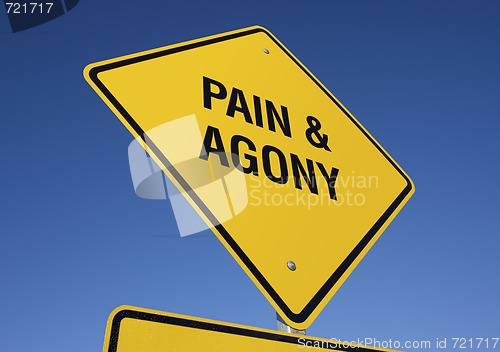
(266,51)
(291,265)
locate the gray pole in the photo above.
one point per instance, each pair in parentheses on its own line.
(282,326)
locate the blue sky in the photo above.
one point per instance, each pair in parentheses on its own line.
(76,242)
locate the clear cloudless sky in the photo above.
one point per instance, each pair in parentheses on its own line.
(75,241)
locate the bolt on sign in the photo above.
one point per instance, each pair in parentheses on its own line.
(317,191)
(132,329)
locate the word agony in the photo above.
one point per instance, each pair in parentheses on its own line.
(212,142)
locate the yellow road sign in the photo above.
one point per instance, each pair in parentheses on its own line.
(317,191)
(132,329)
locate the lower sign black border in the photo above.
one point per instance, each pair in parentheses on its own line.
(335,277)
(164,318)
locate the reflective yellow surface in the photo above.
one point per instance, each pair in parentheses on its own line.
(132,329)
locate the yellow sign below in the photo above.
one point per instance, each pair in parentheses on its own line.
(289,181)
(132,329)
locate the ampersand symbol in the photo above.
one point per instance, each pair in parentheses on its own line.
(314,127)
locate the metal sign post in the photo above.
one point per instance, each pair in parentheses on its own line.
(282,326)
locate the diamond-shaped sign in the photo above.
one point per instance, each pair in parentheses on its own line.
(317,191)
